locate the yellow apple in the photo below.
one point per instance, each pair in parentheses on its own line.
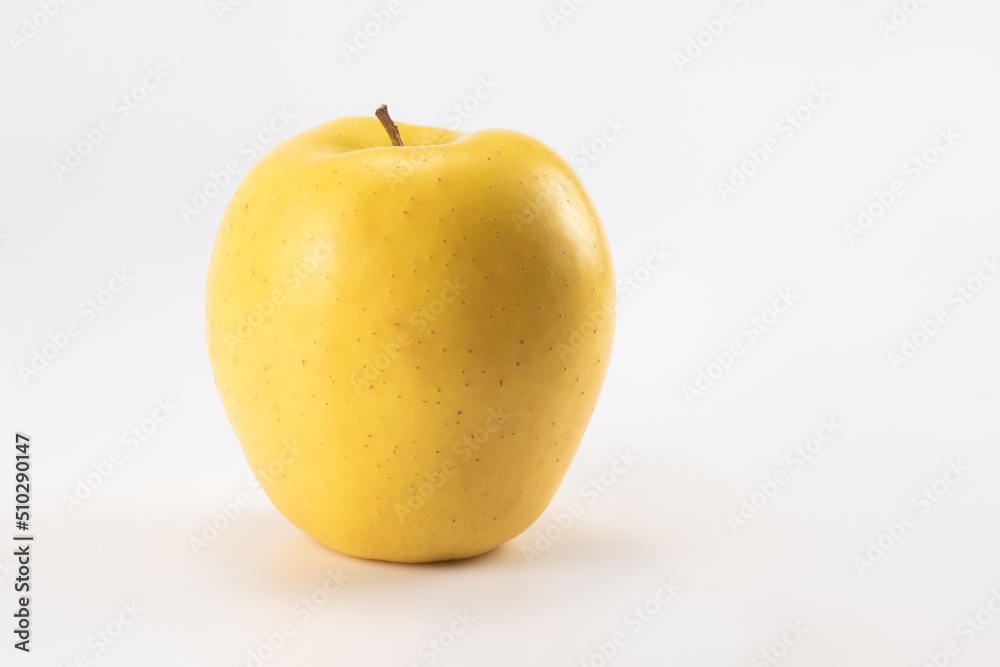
(409,340)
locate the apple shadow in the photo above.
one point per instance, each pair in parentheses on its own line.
(272,553)
(268,564)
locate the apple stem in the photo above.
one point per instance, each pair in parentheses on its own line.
(382,113)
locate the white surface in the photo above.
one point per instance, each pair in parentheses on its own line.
(655,185)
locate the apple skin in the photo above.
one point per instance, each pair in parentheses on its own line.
(409,341)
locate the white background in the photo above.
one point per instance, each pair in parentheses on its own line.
(656,185)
